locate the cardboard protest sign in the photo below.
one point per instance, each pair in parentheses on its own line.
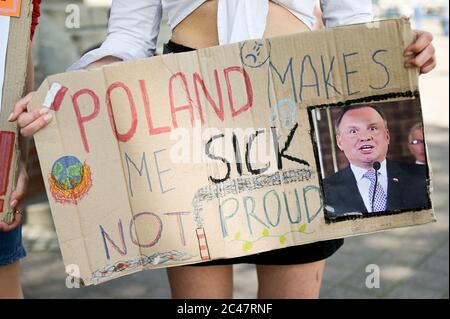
(14,41)
(218,153)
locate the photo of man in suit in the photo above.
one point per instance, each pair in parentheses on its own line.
(371,183)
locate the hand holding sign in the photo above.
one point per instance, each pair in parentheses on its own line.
(29,122)
(423,52)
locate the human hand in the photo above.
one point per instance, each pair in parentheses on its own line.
(421,53)
(16,199)
(29,122)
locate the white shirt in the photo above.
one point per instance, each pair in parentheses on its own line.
(134,24)
(364,183)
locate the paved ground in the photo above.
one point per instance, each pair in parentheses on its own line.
(413,262)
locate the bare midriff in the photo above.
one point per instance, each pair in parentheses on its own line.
(199,29)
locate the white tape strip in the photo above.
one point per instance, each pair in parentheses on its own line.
(51,94)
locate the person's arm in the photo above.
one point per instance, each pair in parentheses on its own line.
(133,30)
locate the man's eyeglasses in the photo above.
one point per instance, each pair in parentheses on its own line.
(416,142)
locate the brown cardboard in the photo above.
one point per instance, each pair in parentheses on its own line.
(129,206)
(13,89)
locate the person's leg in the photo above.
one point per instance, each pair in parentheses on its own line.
(10,282)
(11,251)
(290,281)
(201,282)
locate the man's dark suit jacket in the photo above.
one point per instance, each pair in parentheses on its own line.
(407,190)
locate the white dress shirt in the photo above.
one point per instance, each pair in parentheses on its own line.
(364,183)
(134,24)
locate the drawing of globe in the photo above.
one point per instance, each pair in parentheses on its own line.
(67,171)
(69,180)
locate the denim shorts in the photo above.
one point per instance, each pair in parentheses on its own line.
(11,247)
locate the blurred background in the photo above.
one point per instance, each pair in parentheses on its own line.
(414,262)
